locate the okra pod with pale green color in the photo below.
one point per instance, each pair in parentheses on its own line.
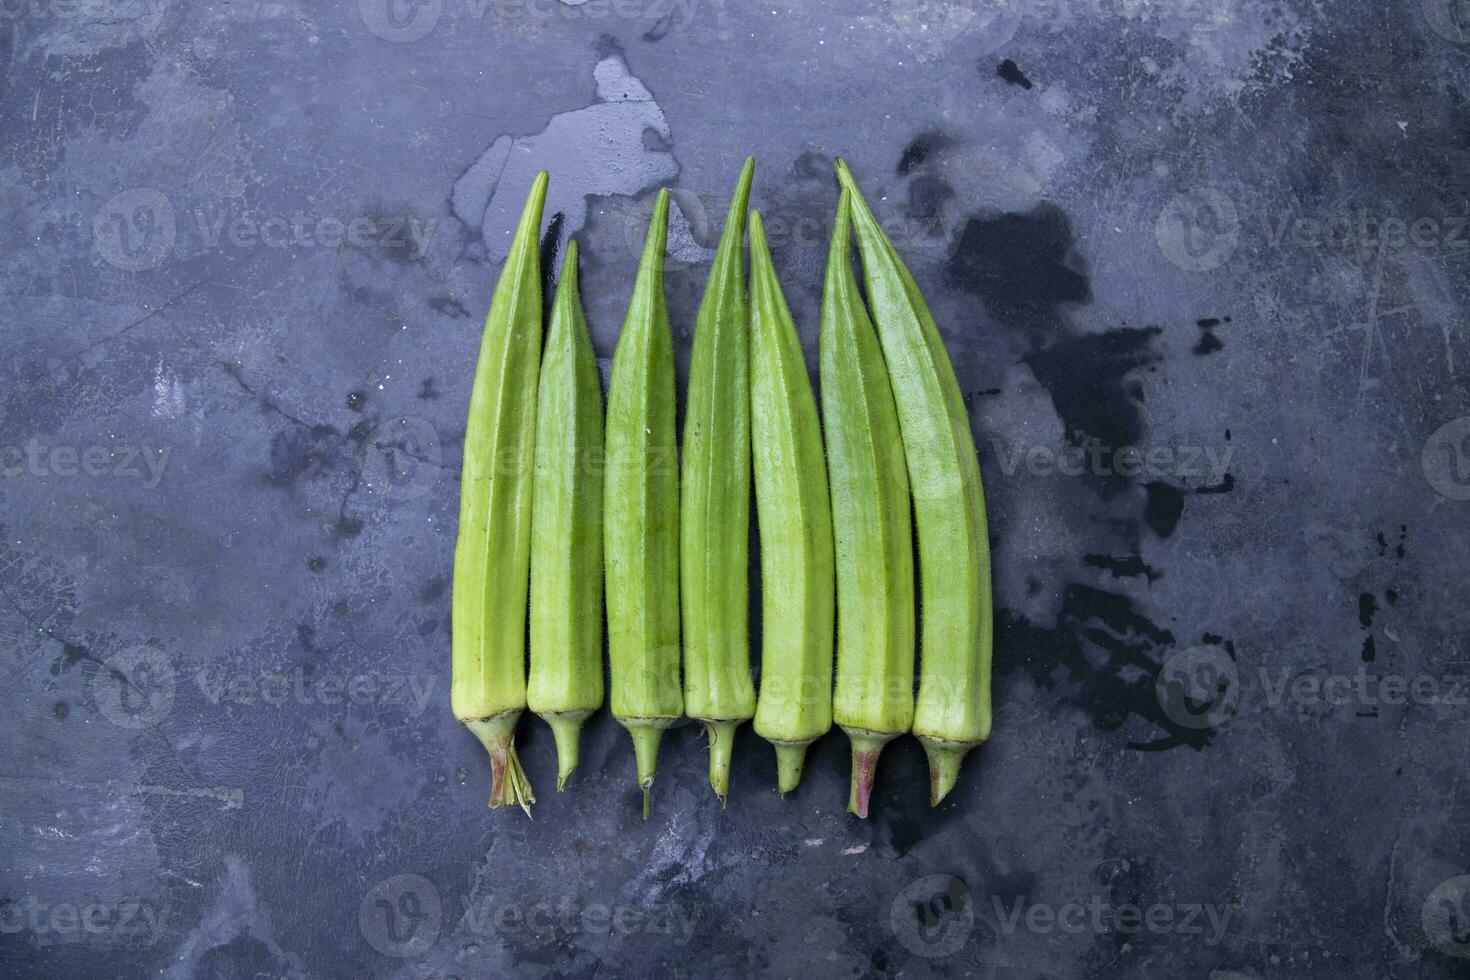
(714,498)
(794,512)
(874,697)
(566,686)
(641,514)
(492,552)
(952,714)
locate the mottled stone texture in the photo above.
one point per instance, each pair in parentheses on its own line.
(1201,266)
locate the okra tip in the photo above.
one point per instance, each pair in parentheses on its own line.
(790,757)
(645,751)
(656,240)
(944,765)
(721,744)
(742,184)
(866,746)
(566,728)
(508,782)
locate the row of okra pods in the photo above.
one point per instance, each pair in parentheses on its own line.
(664,539)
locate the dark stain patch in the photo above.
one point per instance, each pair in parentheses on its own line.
(73,654)
(1209,342)
(1226,484)
(1370,649)
(339,608)
(662,26)
(347,527)
(1164,507)
(1399,550)
(298,452)
(971,397)
(812,166)
(1087,378)
(1103,655)
(927,197)
(449,306)
(427,389)
(434,589)
(920,149)
(1020,264)
(550,247)
(1367,608)
(316,563)
(1012,73)
(361,431)
(60,710)
(356,400)
(1123,566)
(1392,595)
(654,141)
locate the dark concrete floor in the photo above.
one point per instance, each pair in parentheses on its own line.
(1201,266)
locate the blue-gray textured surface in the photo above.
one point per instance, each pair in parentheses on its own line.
(1201,268)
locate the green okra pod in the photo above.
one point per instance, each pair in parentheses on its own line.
(952,714)
(874,696)
(641,514)
(794,512)
(492,551)
(714,498)
(566,684)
